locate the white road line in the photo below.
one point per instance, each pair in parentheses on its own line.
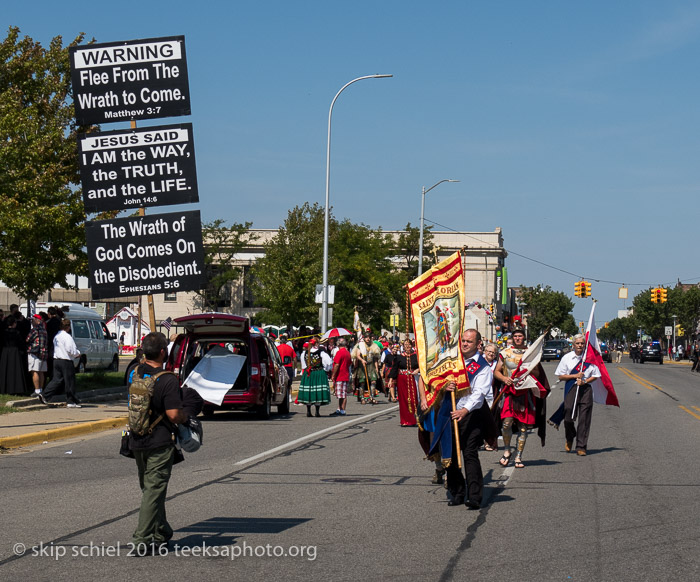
(312,436)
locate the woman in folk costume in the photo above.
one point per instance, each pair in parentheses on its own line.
(366,356)
(314,380)
(403,371)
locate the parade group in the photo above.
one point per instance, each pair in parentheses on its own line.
(494,404)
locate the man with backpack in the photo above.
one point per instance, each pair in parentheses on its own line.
(155,410)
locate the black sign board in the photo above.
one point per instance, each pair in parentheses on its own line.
(143,255)
(136,79)
(152,166)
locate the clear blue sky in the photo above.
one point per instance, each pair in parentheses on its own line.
(573,126)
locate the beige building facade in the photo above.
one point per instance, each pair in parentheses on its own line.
(483,257)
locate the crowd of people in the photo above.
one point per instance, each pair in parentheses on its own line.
(37,355)
(347,367)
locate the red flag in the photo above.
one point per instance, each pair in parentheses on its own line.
(603,391)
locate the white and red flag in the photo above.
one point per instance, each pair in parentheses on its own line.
(522,376)
(603,391)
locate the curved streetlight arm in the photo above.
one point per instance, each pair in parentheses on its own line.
(324,307)
(422,223)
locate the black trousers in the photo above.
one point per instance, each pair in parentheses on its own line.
(63,377)
(471,438)
(584,413)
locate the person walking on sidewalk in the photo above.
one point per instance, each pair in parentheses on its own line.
(38,353)
(65,352)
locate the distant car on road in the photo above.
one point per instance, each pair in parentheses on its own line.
(605,353)
(651,352)
(555,349)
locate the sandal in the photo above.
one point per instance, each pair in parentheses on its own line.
(518,463)
(505,460)
(488,448)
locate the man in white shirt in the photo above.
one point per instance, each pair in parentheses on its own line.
(64,353)
(473,418)
(578,395)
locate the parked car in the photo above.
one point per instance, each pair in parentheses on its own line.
(605,353)
(651,352)
(261,383)
(555,349)
(98,348)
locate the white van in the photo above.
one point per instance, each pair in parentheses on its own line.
(98,349)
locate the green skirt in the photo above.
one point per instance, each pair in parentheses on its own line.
(314,388)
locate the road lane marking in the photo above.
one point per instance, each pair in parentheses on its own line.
(645,382)
(313,435)
(690,411)
(696,408)
(648,385)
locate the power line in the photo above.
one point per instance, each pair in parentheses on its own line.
(511,252)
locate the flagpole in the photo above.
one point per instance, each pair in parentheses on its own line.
(583,359)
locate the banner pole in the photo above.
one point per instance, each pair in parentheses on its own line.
(456,430)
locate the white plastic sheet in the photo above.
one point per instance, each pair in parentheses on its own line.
(215,374)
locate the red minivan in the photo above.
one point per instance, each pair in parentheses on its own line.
(261,383)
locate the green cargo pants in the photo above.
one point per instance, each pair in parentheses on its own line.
(154,468)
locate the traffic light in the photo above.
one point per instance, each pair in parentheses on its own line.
(663,295)
(654,296)
(607,324)
(578,289)
(586,288)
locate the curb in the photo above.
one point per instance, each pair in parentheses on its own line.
(99,395)
(54,434)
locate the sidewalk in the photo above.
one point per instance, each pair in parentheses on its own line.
(102,410)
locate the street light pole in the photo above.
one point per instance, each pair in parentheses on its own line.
(324,307)
(422,223)
(674,335)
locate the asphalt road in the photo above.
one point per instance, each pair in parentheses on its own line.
(355,502)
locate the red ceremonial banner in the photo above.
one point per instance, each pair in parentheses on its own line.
(437,309)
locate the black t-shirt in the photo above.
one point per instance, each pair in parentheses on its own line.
(166,396)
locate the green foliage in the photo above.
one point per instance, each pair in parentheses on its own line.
(41,217)
(654,317)
(286,276)
(546,308)
(221,244)
(362,269)
(619,329)
(359,266)
(407,247)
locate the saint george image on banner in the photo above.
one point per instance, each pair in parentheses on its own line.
(437,308)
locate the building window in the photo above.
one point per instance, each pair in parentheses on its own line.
(170,297)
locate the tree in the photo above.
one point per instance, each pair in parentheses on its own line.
(41,217)
(654,317)
(619,329)
(359,266)
(286,276)
(221,243)
(545,308)
(364,274)
(687,308)
(407,247)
